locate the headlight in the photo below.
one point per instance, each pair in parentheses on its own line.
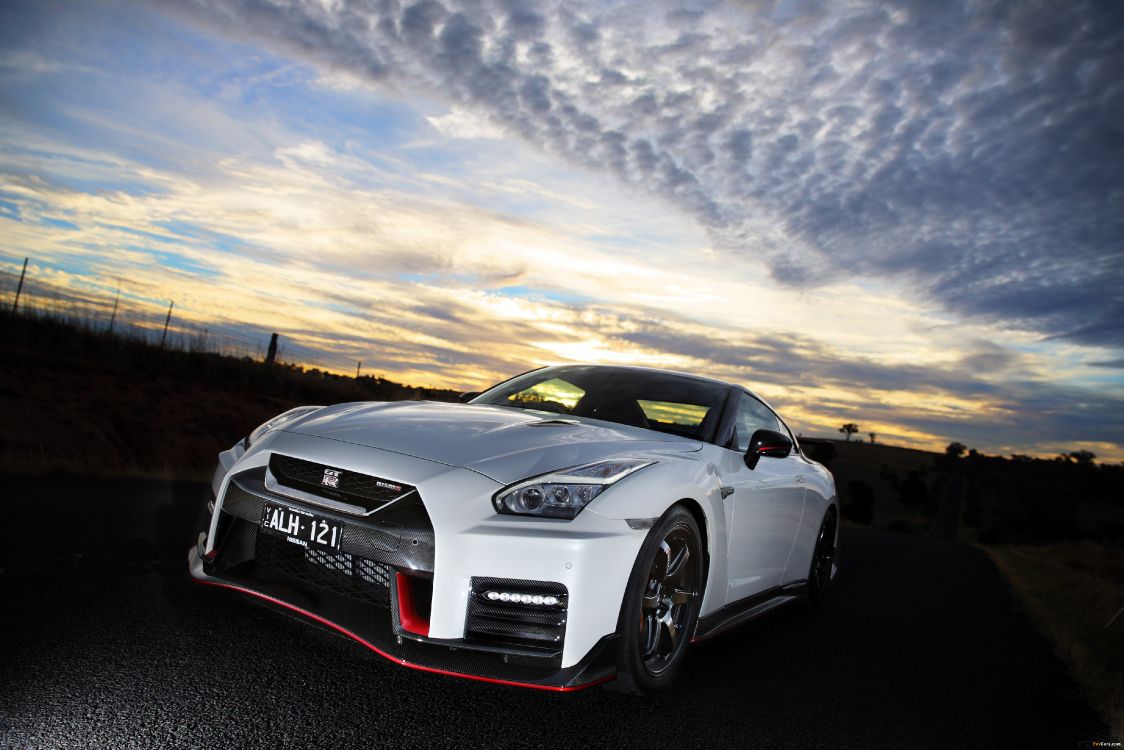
(279,421)
(564,493)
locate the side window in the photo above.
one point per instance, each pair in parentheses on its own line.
(753,416)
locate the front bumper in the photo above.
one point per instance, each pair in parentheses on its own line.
(450,541)
(416,653)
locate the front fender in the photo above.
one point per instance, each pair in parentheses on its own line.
(646,495)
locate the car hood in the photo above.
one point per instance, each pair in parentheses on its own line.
(502,443)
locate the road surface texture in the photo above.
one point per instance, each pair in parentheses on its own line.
(107,643)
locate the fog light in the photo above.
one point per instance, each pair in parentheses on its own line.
(507,596)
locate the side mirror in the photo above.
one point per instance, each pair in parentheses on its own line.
(467,396)
(769,443)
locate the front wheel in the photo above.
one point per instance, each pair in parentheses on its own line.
(661,604)
(823,559)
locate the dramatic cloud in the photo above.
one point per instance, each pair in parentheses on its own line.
(452,192)
(972,150)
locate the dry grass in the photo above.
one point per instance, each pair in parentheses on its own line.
(84,402)
(1071,590)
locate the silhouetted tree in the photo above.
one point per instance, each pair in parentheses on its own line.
(873,435)
(1083,457)
(956,450)
(849,429)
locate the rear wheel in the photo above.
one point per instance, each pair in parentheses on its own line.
(823,559)
(661,604)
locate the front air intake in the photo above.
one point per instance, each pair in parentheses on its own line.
(517,613)
(337,572)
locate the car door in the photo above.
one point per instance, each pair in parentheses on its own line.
(764,507)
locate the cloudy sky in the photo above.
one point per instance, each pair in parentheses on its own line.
(905,215)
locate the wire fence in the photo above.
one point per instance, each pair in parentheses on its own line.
(117,309)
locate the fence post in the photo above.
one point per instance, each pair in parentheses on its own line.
(113,317)
(167,320)
(20,287)
(271,355)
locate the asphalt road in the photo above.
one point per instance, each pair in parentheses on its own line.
(106,642)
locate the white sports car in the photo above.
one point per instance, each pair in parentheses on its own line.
(565,527)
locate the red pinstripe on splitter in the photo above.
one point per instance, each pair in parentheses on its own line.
(395,659)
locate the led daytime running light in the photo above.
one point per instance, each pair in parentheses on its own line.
(516,598)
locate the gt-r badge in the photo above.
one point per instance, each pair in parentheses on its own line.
(331,478)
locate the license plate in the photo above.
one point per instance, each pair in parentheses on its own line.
(301,527)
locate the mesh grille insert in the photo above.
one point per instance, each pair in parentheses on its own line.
(338,572)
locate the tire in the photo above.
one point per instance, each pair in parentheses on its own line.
(661,605)
(823,559)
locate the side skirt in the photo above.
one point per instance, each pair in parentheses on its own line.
(739,612)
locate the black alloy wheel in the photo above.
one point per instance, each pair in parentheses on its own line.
(661,604)
(823,558)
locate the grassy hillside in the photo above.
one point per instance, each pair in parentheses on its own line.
(992,499)
(1072,590)
(82,401)
(882,468)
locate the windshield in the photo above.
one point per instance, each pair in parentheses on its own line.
(675,404)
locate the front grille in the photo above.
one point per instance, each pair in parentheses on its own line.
(338,572)
(515,623)
(400,536)
(363,490)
